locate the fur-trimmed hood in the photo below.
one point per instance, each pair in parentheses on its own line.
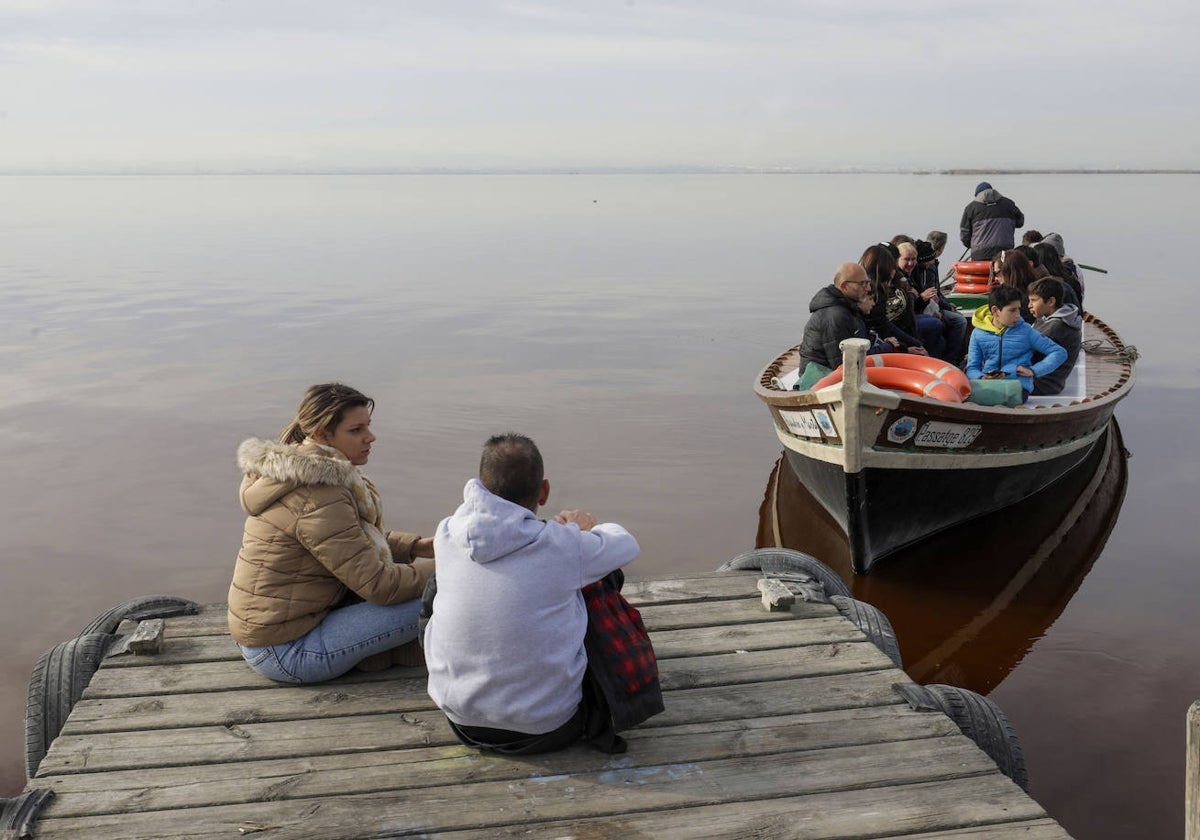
(273,470)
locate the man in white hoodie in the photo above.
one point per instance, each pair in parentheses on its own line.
(505,643)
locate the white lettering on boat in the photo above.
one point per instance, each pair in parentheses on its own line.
(947,435)
(801,423)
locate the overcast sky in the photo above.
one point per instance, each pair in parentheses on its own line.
(354,84)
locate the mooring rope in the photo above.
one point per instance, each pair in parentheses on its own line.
(1104,347)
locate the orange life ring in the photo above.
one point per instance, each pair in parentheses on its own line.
(972,288)
(976,268)
(898,379)
(936,368)
(972,280)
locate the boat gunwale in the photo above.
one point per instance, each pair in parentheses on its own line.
(888,400)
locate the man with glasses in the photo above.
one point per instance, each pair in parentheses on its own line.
(835,316)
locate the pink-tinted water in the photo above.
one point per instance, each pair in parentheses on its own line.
(150,324)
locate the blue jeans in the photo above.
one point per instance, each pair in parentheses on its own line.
(343,639)
(955,328)
(943,337)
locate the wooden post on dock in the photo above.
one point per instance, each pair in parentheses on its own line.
(1191,799)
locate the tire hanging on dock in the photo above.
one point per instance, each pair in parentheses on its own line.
(985,723)
(140,609)
(18,815)
(785,561)
(59,678)
(873,623)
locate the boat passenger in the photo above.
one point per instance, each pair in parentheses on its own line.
(319,587)
(878,345)
(903,303)
(1011,268)
(1002,344)
(940,325)
(891,316)
(1051,258)
(1031,237)
(938,240)
(989,222)
(1061,323)
(834,317)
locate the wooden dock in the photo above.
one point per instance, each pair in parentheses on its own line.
(777,724)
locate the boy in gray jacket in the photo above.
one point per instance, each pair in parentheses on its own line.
(1062,324)
(505,643)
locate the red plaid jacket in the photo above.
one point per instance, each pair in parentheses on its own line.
(620,654)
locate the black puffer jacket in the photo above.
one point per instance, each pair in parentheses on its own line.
(989,224)
(834,318)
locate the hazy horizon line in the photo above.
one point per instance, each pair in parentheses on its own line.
(606,170)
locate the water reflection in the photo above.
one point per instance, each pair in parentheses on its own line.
(968,603)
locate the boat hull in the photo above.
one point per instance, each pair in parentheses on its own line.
(882,510)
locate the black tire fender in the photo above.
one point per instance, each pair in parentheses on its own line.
(139,609)
(59,678)
(18,815)
(785,561)
(873,623)
(981,720)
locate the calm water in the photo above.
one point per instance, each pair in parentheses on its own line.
(150,324)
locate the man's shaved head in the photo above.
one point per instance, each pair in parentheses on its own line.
(850,279)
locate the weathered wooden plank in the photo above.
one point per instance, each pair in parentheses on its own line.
(686,672)
(700,588)
(445,764)
(177,650)
(191,748)
(1046,829)
(147,638)
(882,812)
(775,596)
(667,643)
(407,694)
(656,616)
(538,796)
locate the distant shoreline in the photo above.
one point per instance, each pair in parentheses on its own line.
(599,170)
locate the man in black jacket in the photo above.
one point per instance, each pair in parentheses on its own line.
(989,223)
(835,317)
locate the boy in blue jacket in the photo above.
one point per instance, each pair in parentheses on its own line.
(1002,343)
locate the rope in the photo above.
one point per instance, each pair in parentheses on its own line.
(1104,347)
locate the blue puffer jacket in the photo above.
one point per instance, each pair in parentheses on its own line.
(996,348)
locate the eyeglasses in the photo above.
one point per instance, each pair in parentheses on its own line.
(859,282)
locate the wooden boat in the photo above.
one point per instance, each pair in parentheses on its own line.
(970,623)
(893,468)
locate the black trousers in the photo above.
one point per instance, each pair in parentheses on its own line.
(592,722)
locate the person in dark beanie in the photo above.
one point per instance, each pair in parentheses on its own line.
(989,223)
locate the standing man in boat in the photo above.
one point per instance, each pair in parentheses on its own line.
(989,223)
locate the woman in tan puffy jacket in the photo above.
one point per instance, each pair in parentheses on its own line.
(319,586)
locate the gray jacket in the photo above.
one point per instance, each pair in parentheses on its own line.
(1064,328)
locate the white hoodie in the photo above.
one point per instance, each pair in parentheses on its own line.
(505,644)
